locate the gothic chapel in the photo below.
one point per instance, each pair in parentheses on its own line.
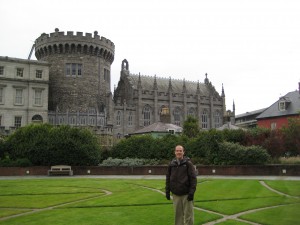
(138,101)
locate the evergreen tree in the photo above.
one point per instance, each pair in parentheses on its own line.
(191,127)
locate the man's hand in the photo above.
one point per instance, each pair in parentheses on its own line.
(168,195)
(190,197)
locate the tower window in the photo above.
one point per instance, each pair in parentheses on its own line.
(73,69)
(79,69)
(106,75)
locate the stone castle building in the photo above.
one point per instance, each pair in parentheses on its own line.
(80,89)
(79,83)
(139,100)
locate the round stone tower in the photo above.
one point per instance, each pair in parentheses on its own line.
(79,76)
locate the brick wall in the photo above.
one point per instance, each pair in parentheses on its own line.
(260,170)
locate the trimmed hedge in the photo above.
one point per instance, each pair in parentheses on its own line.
(236,154)
(209,147)
(128,162)
(43,144)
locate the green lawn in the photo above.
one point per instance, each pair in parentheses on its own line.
(88,201)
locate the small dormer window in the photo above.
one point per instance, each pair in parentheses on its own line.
(281,106)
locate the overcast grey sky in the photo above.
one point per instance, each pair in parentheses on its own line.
(251,46)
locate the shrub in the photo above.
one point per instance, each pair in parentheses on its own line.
(235,136)
(128,162)
(190,127)
(44,144)
(166,146)
(274,144)
(236,154)
(291,135)
(7,162)
(2,147)
(143,146)
(256,136)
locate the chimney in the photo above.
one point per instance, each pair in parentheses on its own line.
(165,116)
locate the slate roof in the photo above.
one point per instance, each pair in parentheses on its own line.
(229,126)
(293,107)
(159,127)
(147,83)
(259,111)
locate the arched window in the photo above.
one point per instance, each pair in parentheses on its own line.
(37,119)
(72,120)
(177,116)
(118,118)
(217,119)
(92,120)
(61,120)
(204,119)
(130,119)
(125,65)
(83,120)
(147,115)
(101,121)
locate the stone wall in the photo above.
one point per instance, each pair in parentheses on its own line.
(259,170)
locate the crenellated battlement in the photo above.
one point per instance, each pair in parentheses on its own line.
(88,38)
(60,43)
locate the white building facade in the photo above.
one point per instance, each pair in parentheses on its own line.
(23,92)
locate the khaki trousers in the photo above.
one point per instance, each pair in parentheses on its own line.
(184,210)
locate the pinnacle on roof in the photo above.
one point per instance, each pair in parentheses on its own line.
(170,84)
(183,87)
(223,93)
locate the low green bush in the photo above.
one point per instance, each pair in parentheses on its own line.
(129,162)
(236,154)
(44,144)
(7,162)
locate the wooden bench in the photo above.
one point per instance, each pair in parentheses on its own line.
(60,170)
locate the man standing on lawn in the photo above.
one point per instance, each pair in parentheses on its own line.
(181,180)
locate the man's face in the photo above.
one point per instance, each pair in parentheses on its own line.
(179,152)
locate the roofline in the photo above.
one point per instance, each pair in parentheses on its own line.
(27,61)
(286,115)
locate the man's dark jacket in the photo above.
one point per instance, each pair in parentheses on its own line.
(181,177)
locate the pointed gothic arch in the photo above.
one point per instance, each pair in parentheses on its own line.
(125,65)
